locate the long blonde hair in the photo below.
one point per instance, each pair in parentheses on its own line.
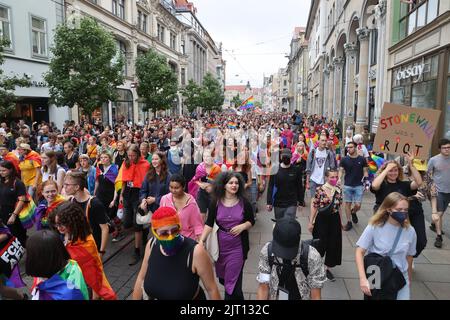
(382,214)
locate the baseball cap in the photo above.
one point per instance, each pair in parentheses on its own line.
(286,153)
(286,238)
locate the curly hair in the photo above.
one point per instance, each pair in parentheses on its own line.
(71,216)
(400,169)
(222,179)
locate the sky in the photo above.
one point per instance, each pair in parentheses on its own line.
(256,35)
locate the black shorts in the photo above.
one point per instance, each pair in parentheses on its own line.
(203,200)
(443,200)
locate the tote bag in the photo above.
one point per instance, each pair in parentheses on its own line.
(212,243)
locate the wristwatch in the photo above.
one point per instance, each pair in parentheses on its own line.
(102,252)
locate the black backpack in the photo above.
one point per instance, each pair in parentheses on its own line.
(303,256)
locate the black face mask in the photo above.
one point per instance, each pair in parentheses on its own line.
(286,161)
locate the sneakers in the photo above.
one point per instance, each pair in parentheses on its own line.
(433,228)
(330,276)
(348,226)
(438,242)
(118,237)
(354,217)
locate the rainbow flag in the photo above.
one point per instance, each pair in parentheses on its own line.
(34,156)
(247,104)
(43,211)
(86,254)
(232,125)
(372,167)
(68,284)
(111,175)
(379,161)
(11,156)
(118,184)
(27,215)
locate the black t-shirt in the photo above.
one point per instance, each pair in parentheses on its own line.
(354,170)
(402,187)
(8,197)
(105,190)
(71,162)
(119,159)
(97,216)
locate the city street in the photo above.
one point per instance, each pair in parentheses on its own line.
(431,279)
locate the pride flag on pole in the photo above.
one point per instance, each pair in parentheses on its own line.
(247,104)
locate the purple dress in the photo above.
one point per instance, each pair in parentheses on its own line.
(231,255)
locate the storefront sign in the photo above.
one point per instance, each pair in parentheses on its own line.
(414,71)
(406,129)
(38,84)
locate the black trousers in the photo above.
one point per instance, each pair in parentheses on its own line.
(237,292)
(417,220)
(328,229)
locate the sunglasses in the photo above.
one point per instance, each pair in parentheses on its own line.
(166,233)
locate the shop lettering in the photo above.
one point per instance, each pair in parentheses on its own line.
(415,71)
(13,253)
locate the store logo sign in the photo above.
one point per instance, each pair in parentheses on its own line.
(411,72)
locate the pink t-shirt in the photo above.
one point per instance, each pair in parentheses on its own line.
(190,218)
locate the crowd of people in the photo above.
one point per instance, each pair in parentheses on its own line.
(179,182)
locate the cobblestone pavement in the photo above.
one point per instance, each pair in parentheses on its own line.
(431,277)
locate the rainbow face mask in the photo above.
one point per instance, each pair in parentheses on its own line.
(170,240)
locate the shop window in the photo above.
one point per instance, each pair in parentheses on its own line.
(424,94)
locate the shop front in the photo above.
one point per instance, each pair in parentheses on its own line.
(425,83)
(119,111)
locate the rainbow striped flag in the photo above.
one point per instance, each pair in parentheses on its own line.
(378,160)
(68,284)
(248,104)
(86,254)
(118,184)
(43,211)
(27,215)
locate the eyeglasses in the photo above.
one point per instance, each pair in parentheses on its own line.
(166,233)
(445,147)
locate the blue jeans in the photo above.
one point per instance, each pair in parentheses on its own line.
(312,188)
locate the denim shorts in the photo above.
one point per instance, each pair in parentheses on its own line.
(353,194)
(443,200)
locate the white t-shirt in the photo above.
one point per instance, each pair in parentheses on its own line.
(318,173)
(46,175)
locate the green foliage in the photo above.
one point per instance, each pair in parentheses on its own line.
(191,93)
(86,67)
(258,104)
(237,101)
(158,84)
(8,85)
(211,94)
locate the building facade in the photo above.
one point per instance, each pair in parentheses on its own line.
(347,41)
(29,26)
(244,93)
(297,71)
(418,73)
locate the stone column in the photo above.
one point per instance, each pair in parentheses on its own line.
(361,118)
(350,54)
(326,84)
(331,101)
(380,16)
(338,63)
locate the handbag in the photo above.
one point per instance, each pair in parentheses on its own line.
(143,218)
(392,279)
(212,243)
(330,205)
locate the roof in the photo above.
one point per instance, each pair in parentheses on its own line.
(235,88)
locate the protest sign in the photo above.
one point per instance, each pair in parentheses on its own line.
(405,129)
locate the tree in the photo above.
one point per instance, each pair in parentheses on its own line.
(211,94)
(258,104)
(158,84)
(8,85)
(192,95)
(86,67)
(237,101)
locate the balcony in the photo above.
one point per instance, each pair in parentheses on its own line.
(169,5)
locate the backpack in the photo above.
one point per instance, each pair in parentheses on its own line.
(298,120)
(303,256)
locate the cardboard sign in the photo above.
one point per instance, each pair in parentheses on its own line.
(405,129)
